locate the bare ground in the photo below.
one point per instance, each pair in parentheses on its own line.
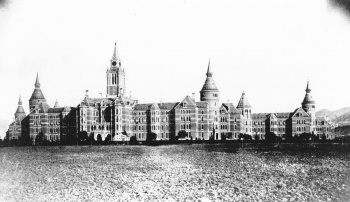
(173,173)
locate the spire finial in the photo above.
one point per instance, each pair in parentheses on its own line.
(37,83)
(209,73)
(20,101)
(308,89)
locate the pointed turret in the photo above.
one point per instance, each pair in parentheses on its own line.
(37,96)
(243,102)
(210,92)
(209,83)
(56,104)
(308,103)
(244,106)
(115,76)
(20,110)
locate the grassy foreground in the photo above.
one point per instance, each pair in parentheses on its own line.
(175,173)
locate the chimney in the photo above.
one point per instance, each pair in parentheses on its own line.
(87,93)
(193,96)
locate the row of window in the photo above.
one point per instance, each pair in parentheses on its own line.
(277,129)
(259,129)
(53,137)
(301,121)
(185,126)
(259,123)
(187,111)
(54,130)
(223,127)
(54,123)
(301,128)
(278,123)
(320,129)
(162,135)
(186,118)
(140,113)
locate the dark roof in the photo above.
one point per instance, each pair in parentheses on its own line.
(230,107)
(20,110)
(37,94)
(169,105)
(283,114)
(55,110)
(142,106)
(308,99)
(209,84)
(92,101)
(260,115)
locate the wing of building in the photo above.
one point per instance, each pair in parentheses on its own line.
(118,116)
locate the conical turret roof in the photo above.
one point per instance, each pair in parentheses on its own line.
(243,102)
(37,94)
(209,83)
(20,109)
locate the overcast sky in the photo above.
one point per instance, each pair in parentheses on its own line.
(269,49)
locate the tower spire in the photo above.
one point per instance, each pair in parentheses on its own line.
(115,53)
(209,73)
(308,89)
(37,83)
(20,101)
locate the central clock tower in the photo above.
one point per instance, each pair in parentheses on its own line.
(115,76)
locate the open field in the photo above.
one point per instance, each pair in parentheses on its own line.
(175,172)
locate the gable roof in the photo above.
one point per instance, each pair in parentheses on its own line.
(188,101)
(300,110)
(230,107)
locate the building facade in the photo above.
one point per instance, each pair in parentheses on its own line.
(118,116)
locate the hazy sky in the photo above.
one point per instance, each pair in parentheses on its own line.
(266,48)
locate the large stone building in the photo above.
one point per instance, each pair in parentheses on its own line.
(119,117)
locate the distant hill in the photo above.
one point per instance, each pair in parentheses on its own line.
(342,120)
(4,125)
(333,114)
